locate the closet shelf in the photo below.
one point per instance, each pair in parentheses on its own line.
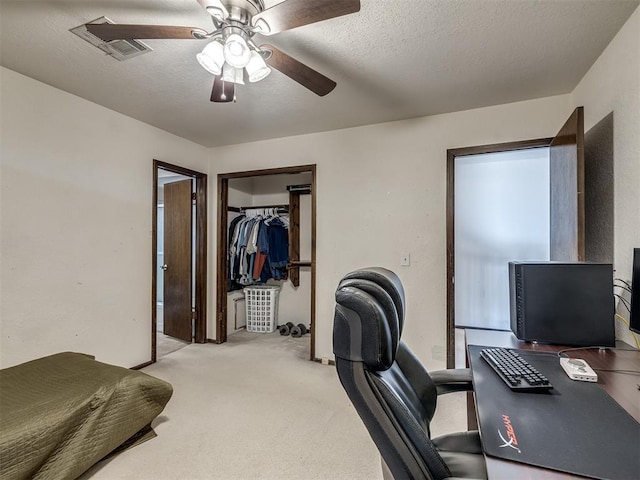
(280,208)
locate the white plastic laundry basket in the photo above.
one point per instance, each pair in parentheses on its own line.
(262,308)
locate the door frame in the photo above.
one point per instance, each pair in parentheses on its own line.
(223,245)
(450,214)
(200,286)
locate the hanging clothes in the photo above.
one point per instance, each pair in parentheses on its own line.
(231,283)
(258,248)
(278,254)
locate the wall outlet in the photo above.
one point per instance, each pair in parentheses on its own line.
(405,259)
(324,361)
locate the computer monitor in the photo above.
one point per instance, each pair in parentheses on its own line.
(634,311)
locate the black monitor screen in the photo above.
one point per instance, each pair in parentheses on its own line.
(634,316)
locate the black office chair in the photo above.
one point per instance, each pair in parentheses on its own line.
(447,381)
(392,392)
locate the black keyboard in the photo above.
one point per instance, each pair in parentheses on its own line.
(515,371)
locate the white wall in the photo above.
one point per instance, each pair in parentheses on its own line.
(381,192)
(612,84)
(76,224)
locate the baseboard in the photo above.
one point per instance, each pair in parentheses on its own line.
(142,365)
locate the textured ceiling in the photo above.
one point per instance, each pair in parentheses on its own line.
(394,59)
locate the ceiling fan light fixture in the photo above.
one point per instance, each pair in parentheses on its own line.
(232,74)
(236,51)
(212,58)
(257,69)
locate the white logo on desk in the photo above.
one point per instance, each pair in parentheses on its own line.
(511,440)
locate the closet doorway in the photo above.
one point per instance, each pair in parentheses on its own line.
(179,258)
(291,192)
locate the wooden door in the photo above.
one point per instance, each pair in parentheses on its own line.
(567,217)
(177,259)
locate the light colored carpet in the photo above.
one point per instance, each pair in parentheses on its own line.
(166,344)
(255,408)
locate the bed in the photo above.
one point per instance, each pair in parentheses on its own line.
(61,414)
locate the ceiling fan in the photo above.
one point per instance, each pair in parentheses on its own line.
(232,51)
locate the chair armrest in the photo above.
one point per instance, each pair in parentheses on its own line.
(452,380)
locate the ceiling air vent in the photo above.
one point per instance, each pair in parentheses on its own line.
(118,49)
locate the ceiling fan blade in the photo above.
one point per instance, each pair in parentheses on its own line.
(223,92)
(295,13)
(112,31)
(292,68)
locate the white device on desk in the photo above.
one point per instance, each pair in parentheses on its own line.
(578,369)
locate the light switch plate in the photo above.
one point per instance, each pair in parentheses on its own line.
(405,259)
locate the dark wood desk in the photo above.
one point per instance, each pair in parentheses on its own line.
(620,386)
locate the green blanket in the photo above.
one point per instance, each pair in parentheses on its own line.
(61,414)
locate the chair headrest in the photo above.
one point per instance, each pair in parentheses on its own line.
(389,281)
(362,330)
(382,297)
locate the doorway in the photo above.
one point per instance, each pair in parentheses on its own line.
(478,260)
(567,199)
(298,269)
(502,214)
(179,275)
